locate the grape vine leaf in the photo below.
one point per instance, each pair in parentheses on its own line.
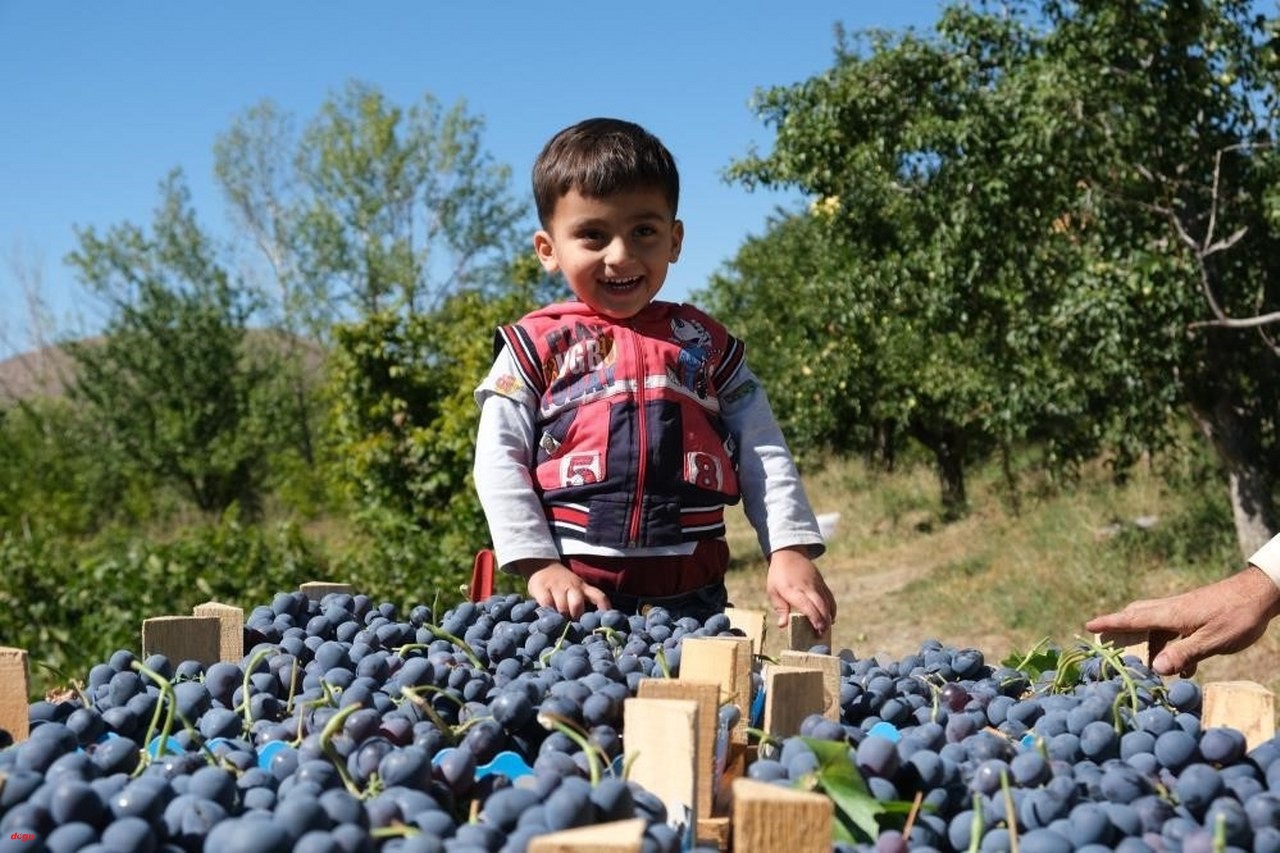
(839,778)
(1042,658)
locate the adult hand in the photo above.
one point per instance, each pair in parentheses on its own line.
(1219,618)
(552,584)
(794,582)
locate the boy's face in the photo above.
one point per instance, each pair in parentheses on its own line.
(613,251)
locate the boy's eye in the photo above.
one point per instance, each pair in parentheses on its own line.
(646,231)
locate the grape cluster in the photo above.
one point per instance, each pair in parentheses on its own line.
(347,728)
(1112,758)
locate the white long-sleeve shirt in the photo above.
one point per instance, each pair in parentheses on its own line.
(1267,558)
(772,493)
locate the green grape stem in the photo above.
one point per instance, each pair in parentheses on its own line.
(558,723)
(166,701)
(332,727)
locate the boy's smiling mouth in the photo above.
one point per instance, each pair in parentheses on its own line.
(622,284)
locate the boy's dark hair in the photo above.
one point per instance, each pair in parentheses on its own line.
(599,157)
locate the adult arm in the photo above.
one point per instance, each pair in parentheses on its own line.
(1219,618)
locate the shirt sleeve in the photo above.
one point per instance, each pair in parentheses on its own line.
(1267,558)
(773,495)
(503,467)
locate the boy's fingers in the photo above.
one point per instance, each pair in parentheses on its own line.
(597,597)
(782,607)
(575,601)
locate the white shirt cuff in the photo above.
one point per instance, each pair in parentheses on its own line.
(1267,558)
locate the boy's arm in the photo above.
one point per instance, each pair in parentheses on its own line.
(504,483)
(773,495)
(775,503)
(522,540)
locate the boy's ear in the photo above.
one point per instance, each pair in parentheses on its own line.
(677,240)
(546,250)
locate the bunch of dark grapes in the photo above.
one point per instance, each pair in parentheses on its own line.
(348,727)
(1113,759)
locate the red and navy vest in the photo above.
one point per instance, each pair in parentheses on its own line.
(631,449)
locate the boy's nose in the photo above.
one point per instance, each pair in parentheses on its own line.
(617,251)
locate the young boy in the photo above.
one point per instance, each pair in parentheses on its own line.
(615,428)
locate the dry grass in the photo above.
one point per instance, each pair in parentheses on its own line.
(997,580)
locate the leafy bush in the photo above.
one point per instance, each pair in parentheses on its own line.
(71,605)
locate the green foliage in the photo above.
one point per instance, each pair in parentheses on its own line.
(837,776)
(1051,214)
(54,477)
(813,362)
(72,605)
(169,383)
(390,234)
(404,421)
(373,208)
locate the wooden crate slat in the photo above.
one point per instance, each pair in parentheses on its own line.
(771,819)
(1243,705)
(180,638)
(725,661)
(791,694)
(316,590)
(750,622)
(829,666)
(660,745)
(707,696)
(619,836)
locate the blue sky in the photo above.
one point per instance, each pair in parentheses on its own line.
(101,100)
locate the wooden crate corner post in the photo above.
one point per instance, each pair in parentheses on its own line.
(725,661)
(791,694)
(15,687)
(707,696)
(750,622)
(798,635)
(230,628)
(316,590)
(829,666)
(619,836)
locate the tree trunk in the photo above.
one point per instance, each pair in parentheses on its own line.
(1231,432)
(882,453)
(950,457)
(948,446)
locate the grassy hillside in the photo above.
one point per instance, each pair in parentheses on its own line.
(1005,578)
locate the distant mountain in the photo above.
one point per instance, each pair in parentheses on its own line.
(40,373)
(48,372)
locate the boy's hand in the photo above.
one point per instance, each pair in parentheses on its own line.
(552,584)
(794,582)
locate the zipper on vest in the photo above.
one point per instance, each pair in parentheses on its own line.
(633,534)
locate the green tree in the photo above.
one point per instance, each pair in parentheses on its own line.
(1179,103)
(390,235)
(168,383)
(54,476)
(1037,196)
